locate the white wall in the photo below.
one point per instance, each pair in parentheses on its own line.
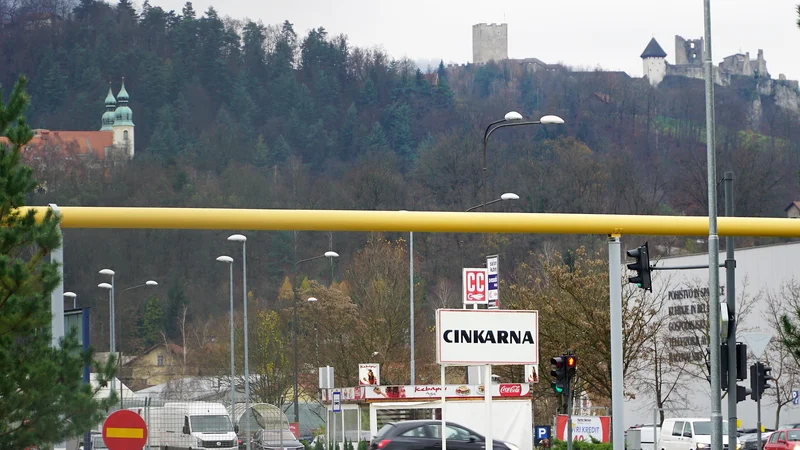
(759,271)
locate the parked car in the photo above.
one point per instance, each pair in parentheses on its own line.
(276,440)
(427,434)
(783,439)
(691,434)
(749,439)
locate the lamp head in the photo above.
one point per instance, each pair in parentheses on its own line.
(509,196)
(312,299)
(70,294)
(551,120)
(107,272)
(104,285)
(512,116)
(237,238)
(331,254)
(151,283)
(225,259)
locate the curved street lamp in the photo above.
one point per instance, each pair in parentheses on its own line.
(71,295)
(511,119)
(504,197)
(243,239)
(295,288)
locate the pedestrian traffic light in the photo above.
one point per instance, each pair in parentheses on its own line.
(559,374)
(641,266)
(741,393)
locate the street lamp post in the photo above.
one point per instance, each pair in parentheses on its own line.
(72,295)
(229,261)
(512,119)
(241,238)
(328,254)
(504,197)
(112,347)
(316,334)
(112,318)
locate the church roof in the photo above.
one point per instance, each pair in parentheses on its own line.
(653,50)
(84,142)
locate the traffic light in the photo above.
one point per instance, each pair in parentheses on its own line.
(559,374)
(572,364)
(741,393)
(641,266)
(723,366)
(759,376)
(741,361)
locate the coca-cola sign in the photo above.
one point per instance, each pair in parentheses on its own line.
(510,390)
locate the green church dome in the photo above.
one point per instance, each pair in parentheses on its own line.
(123,116)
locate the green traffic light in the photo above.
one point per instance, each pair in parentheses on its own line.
(556,388)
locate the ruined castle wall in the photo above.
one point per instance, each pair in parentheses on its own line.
(688,51)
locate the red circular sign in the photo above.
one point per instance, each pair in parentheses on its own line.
(124,430)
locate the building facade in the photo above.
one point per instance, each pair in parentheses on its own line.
(767,283)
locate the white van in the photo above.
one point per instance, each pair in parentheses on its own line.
(196,425)
(691,434)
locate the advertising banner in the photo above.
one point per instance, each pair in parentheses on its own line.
(585,428)
(466,337)
(450,391)
(476,287)
(493,281)
(531,373)
(369,374)
(348,394)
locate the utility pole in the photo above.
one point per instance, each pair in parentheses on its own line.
(730,281)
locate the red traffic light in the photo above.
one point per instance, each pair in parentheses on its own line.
(571,362)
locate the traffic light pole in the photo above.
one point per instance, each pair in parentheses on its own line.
(730,280)
(568,392)
(758,407)
(615,297)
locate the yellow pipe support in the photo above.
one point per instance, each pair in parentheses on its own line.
(420,221)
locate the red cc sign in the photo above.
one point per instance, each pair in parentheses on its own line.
(476,288)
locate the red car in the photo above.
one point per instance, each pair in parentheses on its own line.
(784,440)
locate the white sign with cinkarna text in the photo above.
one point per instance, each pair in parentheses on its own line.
(487,336)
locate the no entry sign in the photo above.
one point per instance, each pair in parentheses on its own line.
(124,430)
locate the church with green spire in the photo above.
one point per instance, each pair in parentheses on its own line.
(118,119)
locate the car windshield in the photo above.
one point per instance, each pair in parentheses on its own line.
(276,436)
(97,442)
(211,424)
(704,428)
(793,435)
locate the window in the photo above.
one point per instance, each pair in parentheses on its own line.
(773,438)
(453,433)
(782,436)
(793,435)
(418,432)
(160,361)
(677,430)
(125,134)
(687,430)
(704,428)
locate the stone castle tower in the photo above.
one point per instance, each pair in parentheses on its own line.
(489,42)
(654,61)
(118,119)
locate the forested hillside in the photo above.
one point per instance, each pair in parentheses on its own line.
(241,114)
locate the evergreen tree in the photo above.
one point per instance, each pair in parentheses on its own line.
(376,141)
(347,145)
(42,396)
(152,322)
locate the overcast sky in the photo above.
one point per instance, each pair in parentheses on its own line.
(581,33)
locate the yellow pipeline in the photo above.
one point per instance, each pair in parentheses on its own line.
(472,222)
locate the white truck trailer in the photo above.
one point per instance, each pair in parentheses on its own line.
(189,425)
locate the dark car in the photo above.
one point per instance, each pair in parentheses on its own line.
(276,440)
(426,435)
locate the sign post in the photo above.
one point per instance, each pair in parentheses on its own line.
(485,337)
(492,271)
(795,398)
(124,430)
(476,287)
